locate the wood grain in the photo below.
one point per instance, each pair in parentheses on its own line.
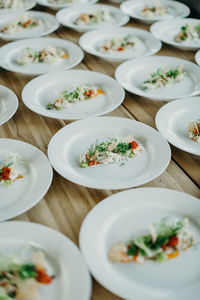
(66,204)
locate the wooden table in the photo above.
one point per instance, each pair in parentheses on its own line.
(66,204)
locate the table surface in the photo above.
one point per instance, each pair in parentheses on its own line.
(66,204)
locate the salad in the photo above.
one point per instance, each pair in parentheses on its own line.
(8,171)
(194,131)
(165,241)
(112,151)
(11,4)
(154,11)
(163,77)
(189,32)
(47,55)
(98,17)
(21,279)
(23,22)
(127,42)
(75,94)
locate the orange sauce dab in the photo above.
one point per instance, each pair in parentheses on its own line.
(173,255)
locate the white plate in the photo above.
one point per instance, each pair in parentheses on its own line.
(172,121)
(123,215)
(43,90)
(28,191)
(67,16)
(134,7)
(8,104)
(49,25)
(10,52)
(93,40)
(28,4)
(57,6)
(132,74)
(68,143)
(166,32)
(197,57)
(72,280)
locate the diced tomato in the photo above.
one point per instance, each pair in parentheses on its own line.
(120,49)
(43,277)
(173,241)
(92,163)
(27,23)
(89,93)
(5,173)
(134,145)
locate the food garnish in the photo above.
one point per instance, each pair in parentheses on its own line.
(22,23)
(47,55)
(8,169)
(112,151)
(98,17)
(166,240)
(189,32)
(22,279)
(154,11)
(194,131)
(71,95)
(120,44)
(163,77)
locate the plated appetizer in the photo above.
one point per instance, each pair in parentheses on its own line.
(166,240)
(22,278)
(119,44)
(112,151)
(154,11)
(98,17)
(11,4)
(22,23)
(163,77)
(194,131)
(189,32)
(47,55)
(73,95)
(8,169)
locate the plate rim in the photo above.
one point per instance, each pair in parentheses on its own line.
(109,56)
(26,208)
(65,239)
(8,45)
(15,100)
(110,186)
(84,225)
(140,92)
(195,98)
(74,71)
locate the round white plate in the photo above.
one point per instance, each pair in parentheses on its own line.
(28,191)
(8,104)
(132,74)
(49,25)
(123,215)
(166,32)
(28,4)
(197,57)
(93,40)
(72,280)
(172,121)
(10,52)
(57,6)
(45,89)
(67,16)
(68,143)
(134,7)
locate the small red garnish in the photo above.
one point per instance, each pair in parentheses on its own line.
(120,49)
(173,241)
(134,145)
(89,93)
(5,173)
(92,163)
(43,277)
(4,283)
